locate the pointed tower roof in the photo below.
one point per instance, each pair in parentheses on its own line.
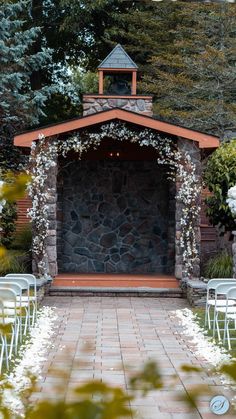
(118,59)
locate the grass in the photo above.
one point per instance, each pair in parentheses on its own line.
(219,266)
(13,262)
(201,321)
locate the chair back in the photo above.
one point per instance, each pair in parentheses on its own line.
(222,289)
(32,281)
(23,283)
(8,294)
(11,286)
(214,282)
(231,294)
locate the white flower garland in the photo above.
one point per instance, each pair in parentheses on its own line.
(231,200)
(2,201)
(29,362)
(181,168)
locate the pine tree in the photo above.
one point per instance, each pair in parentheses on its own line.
(20,105)
(186,54)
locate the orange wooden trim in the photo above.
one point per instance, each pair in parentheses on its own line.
(134,83)
(117,70)
(89,96)
(100,88)
(205,140)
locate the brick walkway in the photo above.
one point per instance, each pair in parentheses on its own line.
(107,338)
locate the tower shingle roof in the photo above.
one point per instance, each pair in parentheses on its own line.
(118,58)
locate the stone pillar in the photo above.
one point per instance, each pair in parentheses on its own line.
(51,240)
(49,255)
(191,147)
(234,254)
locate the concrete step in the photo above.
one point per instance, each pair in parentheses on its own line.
(115,291)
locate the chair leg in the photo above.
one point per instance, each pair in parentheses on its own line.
(12,342)
(6,355)
(27,320)
(225,325)
(209,317)
(33,315)
(16,331)
(228,336)
(217,327)
(2,353)
(206,318)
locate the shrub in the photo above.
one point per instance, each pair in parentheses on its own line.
(14,261)
(22,239)
(220,175)
(7,223)
(219,266)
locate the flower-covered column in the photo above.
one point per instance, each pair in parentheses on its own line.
(51,239)
(234,254)
(231,200)
(185,212)
(43,191)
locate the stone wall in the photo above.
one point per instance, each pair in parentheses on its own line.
(191,147)
(195,291)
(115,216)
(97,104)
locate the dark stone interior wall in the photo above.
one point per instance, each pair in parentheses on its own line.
(115,216)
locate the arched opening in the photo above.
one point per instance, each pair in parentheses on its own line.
(116,211)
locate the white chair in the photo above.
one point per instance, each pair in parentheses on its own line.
(19,285)
(32,281)
(221,291)
(212,302)
(9,317)
(4,350)
(230,315)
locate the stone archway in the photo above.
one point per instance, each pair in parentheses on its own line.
(188,148)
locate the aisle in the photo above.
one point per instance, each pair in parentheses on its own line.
(107,338)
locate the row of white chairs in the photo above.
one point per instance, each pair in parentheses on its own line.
(18,312)
(223,306)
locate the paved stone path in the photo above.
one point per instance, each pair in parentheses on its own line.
(107,338)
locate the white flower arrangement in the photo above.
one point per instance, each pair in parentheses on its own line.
(231,200)
(29,361)
(2,201)
(181,169)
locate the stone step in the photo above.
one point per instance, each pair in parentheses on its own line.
(116,291)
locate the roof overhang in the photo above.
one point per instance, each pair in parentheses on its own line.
(205,140)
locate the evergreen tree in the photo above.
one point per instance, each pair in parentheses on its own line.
(20,104)
(187,58)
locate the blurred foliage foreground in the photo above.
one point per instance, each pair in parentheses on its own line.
(97,400)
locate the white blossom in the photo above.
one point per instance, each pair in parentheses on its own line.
(2,201)
(29,360)
(231,200)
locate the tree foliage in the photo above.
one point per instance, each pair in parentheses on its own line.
(187,59)
(220,175)
(20,104)
(185,53)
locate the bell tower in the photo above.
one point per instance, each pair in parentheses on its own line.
(117,79)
